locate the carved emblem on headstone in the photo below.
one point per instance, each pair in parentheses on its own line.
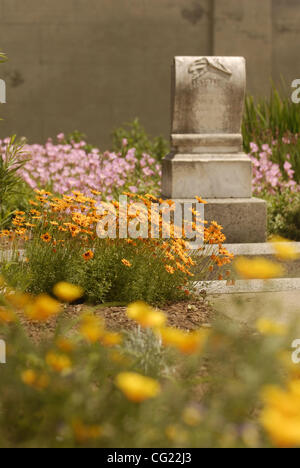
(201,67)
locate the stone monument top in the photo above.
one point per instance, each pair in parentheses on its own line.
(208,99)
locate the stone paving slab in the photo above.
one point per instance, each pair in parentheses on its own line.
(281,306)
(250,286)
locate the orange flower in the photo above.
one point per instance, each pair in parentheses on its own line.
(200,200)
(126,263)
(35,380)
(136,387)
(88,255)
(46,237)
(170,269)
(7,316)
(58,362)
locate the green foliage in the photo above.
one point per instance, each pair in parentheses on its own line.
(284,215)
(104,278)
(209,398)
(78,137)
(3,57)
(270,118)
(275,121)
(137,137)
(12,188)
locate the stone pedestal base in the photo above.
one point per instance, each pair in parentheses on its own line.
(244,219)
(227,175)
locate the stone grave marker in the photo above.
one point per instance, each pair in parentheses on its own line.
(207,157)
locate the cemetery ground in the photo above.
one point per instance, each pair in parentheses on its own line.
(144,342)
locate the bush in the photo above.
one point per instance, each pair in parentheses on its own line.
(61,243)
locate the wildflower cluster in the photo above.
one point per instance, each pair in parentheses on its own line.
(269,177)
(64,167)
(63,241)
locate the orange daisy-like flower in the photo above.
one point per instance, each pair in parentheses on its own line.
(170,269)
(46,237)
(126,263)
(200,200)
(88,255)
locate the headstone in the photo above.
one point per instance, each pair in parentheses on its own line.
(207,158)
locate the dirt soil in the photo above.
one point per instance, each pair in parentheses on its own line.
(188,315)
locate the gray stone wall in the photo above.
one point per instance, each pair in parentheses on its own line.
(94,64)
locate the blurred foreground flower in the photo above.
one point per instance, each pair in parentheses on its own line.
(7,316)
(42,308)
(258,268)
(58,362)
(136,387)
(84,432)
(281,414)
(67,292)
(269,327)
(145,315)
(187,343)
(92,328)
(284,249)
(35,380)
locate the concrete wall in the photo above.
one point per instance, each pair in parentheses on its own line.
(93,64)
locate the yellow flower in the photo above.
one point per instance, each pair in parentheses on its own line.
(67,292)
(284,249)
(84,432)
(7,316)
(126,263)
(65,344)
(42,308)
(281,415)
(269,327)
(58,362)
(187,343)
(91,328)
(258,268)
(146,316)
(35,380)
(136,387)
(191,416)
(18,300)
(111,339)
